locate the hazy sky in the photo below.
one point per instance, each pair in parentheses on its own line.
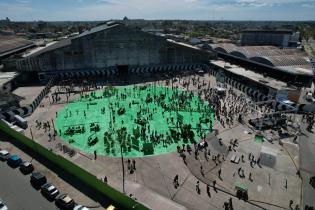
(158,9)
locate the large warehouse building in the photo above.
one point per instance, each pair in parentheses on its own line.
(111,48)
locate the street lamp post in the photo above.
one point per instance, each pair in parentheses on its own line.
(35,147)
(31,132)
(123,167)
(121,150)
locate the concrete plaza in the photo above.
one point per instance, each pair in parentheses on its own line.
(152,181)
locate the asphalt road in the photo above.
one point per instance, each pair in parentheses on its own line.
(307,166)
(17,192)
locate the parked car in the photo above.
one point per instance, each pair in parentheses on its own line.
(3,206)
(80,207)
(64,201)
(111,207)
(4,155)
(312,181)
(26,167)
(309,97)
(14,161)
(38,180)
(49,191)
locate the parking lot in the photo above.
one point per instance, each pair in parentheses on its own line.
(17,192)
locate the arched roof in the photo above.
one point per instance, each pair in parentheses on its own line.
(238,53)
(225,47)
(263,60)
(220,49)
(268,55)
(281,60)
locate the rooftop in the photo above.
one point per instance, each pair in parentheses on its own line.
(6,77)
(183,44)
(67,41)
(11,44)
(259,78)
(290,60)
(102,27)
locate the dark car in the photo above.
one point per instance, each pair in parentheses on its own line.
(38,180)
(14,161)
(312,181)
(63,201)
(26,167)
(49,191)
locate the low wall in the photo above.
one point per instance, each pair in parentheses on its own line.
(74,170)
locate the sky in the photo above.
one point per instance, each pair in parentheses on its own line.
(58,10)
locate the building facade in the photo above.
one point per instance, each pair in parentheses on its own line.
(109,46)
(260,37)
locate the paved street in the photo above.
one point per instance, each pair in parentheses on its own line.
(17,192)
(307,163)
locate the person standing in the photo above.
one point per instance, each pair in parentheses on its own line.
(208,190)
(95,155)
(198,187)
(134,164)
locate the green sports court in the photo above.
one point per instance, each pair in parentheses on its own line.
(134,120)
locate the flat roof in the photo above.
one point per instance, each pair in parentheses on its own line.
(53,46)
(256,77)
(37,49)
(183,44)
(11,44)
(6,77)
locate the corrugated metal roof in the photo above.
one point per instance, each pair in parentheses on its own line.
(98,28)
(289,60)
(66,42)
(59,44)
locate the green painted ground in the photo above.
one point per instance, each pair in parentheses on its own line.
(139,120)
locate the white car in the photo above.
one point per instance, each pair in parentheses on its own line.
(4,155)
(2,206)
(80,207)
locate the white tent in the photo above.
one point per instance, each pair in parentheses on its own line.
(268,156)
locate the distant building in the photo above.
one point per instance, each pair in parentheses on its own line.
(279,38)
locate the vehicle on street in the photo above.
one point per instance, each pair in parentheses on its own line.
(3,206)
(80,207)
(64,201)
(4,155)
(111,207)
(49,191)
(26,167)
(14,161)
(312,181)
(38,180)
